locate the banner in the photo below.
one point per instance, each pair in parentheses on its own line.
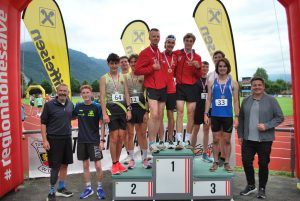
(214,25)
(135,37)
(11,162)
(45,25)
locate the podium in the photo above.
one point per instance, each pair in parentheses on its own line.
(175,175)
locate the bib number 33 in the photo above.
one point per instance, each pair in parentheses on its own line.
(221,102)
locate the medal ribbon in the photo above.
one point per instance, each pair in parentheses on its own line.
(222,90)
(115,85)
(156,54)
(192,55)
(169,66)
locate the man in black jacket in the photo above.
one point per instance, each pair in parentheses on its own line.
(56,132)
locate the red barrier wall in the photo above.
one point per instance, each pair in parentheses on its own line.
(293,15)
(11,171)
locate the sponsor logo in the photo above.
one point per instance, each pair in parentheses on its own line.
(42,155)
(214,16)
(47,60)
(47,17)
(91,113)
(208,40)
(138,37)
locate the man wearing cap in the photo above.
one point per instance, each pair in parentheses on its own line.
(155,81)
(187,73)
(170,61)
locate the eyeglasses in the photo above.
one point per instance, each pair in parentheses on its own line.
(172,37)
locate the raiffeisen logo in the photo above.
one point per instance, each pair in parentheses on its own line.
(47,60)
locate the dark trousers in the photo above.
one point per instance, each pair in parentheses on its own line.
(263,150)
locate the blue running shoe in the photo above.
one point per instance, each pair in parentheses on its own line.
(86,193)
(206,158)
(100,193)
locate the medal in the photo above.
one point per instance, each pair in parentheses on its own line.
(134,91)
(222,97)
(222,90)
(190,60)
(169,66)
(170,70)
(116,85)
(204,91)
(203,85)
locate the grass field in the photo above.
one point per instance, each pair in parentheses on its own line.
(285,103)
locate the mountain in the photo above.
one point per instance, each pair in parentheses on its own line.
(82,66)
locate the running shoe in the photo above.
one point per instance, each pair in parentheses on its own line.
(207,159)
(63,193)
(121,167)
(227,167)
(115,169)
(214,167)
(171,145)
(261,193)
(100,193)
(188,145)
(154,149)
(146,164)
(51,197)
(248,190)
(127,160)
(131,164)
(161,146)
(88,191)
(221,161)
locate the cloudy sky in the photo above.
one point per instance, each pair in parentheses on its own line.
(95,26)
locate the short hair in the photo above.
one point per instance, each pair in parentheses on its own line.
(189,35)
(205,62)
(86,87)
(226,63)
(133,56)
(124,57)
(62,85)
(113,57)
(154,29)
(219,52)
(257,78)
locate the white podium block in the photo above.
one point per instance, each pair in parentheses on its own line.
(211,188)
(134,189)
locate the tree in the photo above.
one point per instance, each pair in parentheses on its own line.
(47,86)
(95,86)
(23,85)
(261,72)
(75,85)
(85,82)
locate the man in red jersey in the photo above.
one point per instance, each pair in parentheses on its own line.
(187,73)
(170,61)
(155,81)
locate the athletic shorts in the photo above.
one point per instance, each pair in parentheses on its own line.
(90,151)
(60,152)
(117,122)
(137,115)
(32,103)
(39,106)
(222,123)
(199,113)
(157,94)
(186,92)
(171,102)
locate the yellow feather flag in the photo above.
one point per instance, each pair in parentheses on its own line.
(45,25)
(135,37)
(214,25)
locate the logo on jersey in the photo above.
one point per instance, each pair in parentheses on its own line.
(91,113)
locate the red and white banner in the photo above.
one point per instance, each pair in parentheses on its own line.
(11,171)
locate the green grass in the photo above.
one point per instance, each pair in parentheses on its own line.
(271,172)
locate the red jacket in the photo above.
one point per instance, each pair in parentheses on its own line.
(171,86)
(184,73)
(155,79)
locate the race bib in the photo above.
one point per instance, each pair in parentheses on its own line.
(135,99)
(221,102)
(117,97)
(204,96)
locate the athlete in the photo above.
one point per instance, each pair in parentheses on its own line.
(139,115)
(124,64)
(39,101)
(155,81)
(222,92)
(116,109)
(187,73)
(199,113)
(170,60)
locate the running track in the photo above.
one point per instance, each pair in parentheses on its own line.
(281,149)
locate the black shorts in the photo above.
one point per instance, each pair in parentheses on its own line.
(39,106)
(137,115)
(60,152)
(90,151)
(222,123)
(32,103)
(117,122)
(199,113)
(186,92)
(171,102)
(157,94)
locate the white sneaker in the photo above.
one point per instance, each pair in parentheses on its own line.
(161,146)
(154,149)
(171,145)
(127,160)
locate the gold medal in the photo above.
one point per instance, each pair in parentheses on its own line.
(170,70)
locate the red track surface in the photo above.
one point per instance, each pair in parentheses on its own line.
(281,149)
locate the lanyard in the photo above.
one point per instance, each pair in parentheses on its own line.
(203,85)
(192,55)
(222,90)
(156,54)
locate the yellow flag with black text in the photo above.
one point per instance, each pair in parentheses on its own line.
(45,25)
(135,37)
(214,25)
